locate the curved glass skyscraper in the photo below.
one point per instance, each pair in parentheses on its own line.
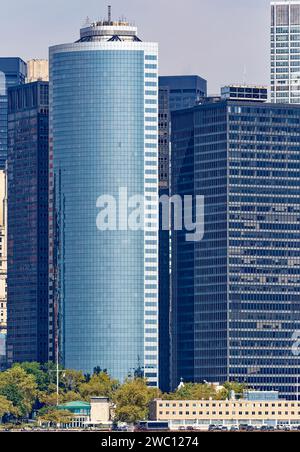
(103,143)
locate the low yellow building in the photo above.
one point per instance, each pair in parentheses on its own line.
(201,413)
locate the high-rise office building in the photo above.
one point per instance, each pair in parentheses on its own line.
(3,267)
(27,249)
(37,70)
(236,292)
(12,72)
(3,252)
(285,51)
(164,241)
(103,138)
(175,92)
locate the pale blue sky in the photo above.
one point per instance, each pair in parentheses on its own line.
(222,40)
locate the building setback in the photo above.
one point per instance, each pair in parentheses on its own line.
(236,292)
(28,223)
(103,134)
(285,51)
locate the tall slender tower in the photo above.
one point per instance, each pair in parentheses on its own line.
(285,51)
(103,138)
(27,223)
(3,266)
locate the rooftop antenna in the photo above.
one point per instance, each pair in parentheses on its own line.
(109,13)
(244,75)
(86,22)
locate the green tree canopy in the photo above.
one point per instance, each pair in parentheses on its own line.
(54,416)
(71,380)
(99,385)
(132,400)
(235,386)
(20,388)
(37,370)
(193,391)
(6,407)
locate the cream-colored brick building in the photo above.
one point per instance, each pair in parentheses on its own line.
(3,252)
(226,412)
(37,70)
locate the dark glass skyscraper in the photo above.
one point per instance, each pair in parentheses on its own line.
(12,72)
(175,92)
(236,293)
(27,305)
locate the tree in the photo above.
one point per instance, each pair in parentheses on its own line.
(193,391)
(50,399)
(36,369)
(6,407)
(130,414)
(97,370)
(132,400)
(235,386)
(50,369)
(54,417)
(99,385)
(71,380)
(19,388)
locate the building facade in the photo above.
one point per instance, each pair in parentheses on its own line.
(175,92)
(37,70)
(28,115)
(98,412)
(3,252)
(202,413)
(285,51)
(3,267)
(164,120)
(104,140)
(236,292)
(12,72)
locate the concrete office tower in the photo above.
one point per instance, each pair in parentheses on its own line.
(12,72)
(285,51)
(37,70)
(236,292)
(27,250)
(103,139)
(175,92)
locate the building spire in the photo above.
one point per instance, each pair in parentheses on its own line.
(109,13)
